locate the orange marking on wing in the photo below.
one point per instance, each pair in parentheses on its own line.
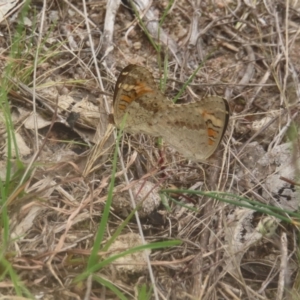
(212,133)
(142,88)
(211,142)
(126,98)
(206,115)
(122,106)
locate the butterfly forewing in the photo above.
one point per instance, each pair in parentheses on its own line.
(135,88)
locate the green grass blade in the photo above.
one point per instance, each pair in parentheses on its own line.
(98,266)
(110,286)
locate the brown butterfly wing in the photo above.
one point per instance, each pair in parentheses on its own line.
(136,94)
(195,129)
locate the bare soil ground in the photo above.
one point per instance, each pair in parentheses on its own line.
(63,65)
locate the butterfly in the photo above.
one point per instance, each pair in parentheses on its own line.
(193,129)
